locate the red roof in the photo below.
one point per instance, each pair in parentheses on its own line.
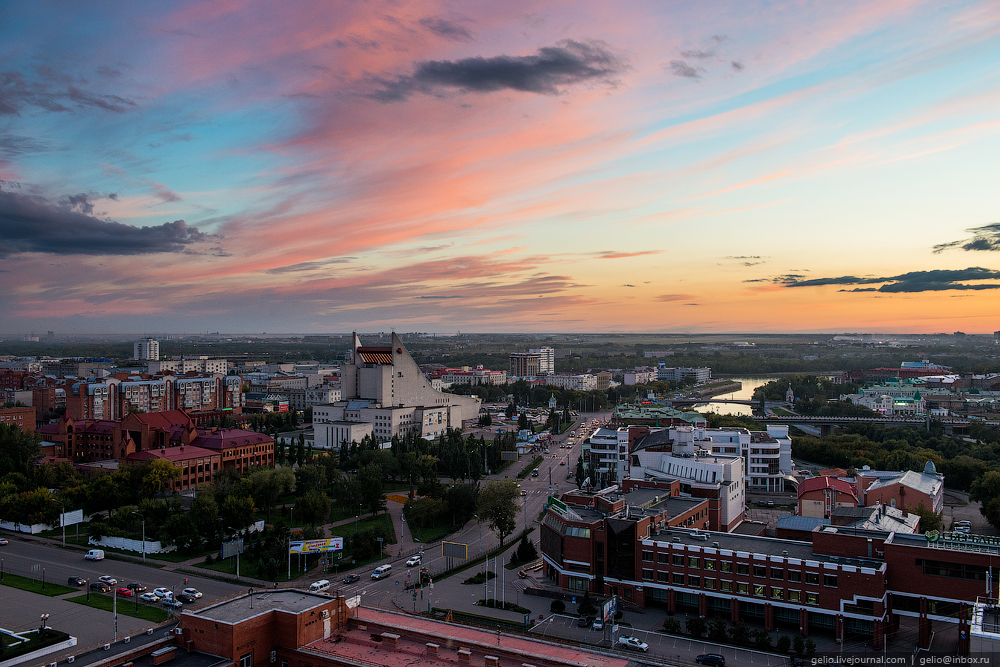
(163,420)
(230,438)
(182,453)
(819,483)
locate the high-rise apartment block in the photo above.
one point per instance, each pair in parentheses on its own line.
(147,349)
(547,363)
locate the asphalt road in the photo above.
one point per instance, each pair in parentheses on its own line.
(480,538)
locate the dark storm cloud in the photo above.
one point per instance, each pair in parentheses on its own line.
(681,68)
(986,237)
(80,203)
(52,92)
(33,224)
(553,67)
(445,28)
(914,281)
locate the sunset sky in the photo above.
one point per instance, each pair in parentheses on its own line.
(322,166)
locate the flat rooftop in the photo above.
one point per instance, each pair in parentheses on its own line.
(244,606)
(753,544)
(354,643)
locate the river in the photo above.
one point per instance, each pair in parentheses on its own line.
(749,384)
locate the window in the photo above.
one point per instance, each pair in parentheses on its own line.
(647,556)
(647,575)
(725,566)
(759,571)
(709,584)
(694,582)
(663,558)
(247,660)
(795,596)
(830,580)
(709,564)
(726,586)
(743,589)
(578,584)
(678,560)
(628,593)
(694,562)
(794,575)
(758,590)
(742,568)
(777,593)
(812,577)
(678,579)
(777,573)
(663,577)
(812,598)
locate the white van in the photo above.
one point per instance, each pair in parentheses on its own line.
(95,554)
(319,586)
(381,572)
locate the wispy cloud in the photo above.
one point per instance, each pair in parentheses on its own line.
(914,281)
(986,237)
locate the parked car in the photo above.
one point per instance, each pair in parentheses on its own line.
(193,592)
(163,593)
(713,659)
(584,622)
(100,587)
(534,473)
(149,597)
(76,581)
(172,604)
(125,592)
(136,588)
(185,598)
(414,560)
(632,643)
(351,578)
(3,542)
(598,624)
(109,580)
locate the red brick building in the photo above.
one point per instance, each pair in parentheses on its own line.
(819,496)
(197,465)
(23,418)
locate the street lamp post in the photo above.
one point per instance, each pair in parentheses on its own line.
(143,518)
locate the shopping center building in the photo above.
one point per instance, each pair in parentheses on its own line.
(846,581)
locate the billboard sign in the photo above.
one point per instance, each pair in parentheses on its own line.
(316,546)
(232,548)
(610,609)
(455,550)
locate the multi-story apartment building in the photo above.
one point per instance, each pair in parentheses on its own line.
(546,361)
(525,365)
(641,375)
(184,365)
(147,349)
(582,382)
(116,396)
(22,417)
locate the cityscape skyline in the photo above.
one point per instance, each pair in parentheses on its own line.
(432,166)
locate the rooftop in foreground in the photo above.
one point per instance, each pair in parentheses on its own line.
(244,606)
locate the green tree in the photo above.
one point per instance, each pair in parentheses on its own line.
(158,476)
(204,513)
(180,530)
(237,513)
(313,507)
(522,421)
(929,520)
(498,506)
(696,626)
(784,644)
(671,626)
(21,450)
(986,490)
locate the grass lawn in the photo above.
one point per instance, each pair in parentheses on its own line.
(30,641)
(33,586)
(126,607)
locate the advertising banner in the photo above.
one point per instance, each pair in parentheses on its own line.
(316,546)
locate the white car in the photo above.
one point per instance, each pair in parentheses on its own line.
(193,592)
(633,643)
(163,593)
(109,580)
(149,597)
(414,560)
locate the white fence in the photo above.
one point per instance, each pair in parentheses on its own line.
(126,544)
